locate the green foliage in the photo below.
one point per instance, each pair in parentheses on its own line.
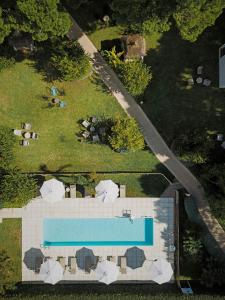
(143,15)
(42,19)
(112,57)
(192,247)
(126,135)
(70,61)
(17,189)
(135,75)
(194,16)
(194,146)
(6,273)
(4,28)
(7,141)
(84,180)
(213,273)
(6,62)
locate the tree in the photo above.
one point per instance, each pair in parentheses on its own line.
(143,15)
(7,141)
(135,75)
(126,135)
(6,62)
(4,27)
(6,272)
(41,18)
(70,61)
(17,189)
(194,16)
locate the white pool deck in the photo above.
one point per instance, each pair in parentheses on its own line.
(160,209)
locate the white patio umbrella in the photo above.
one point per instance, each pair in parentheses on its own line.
(107,271)
(52,190)
(107,191)
(160,271)
(51,271)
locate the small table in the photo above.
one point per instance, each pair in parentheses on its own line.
(27,135)
(199,80)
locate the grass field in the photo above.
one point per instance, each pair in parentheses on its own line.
(21,96)
(10,240)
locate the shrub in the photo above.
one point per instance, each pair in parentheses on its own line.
(126,135)
(17,189)
(7,141)
(6,272)
(70,61)
(193,248)
(6,62)
(213,273)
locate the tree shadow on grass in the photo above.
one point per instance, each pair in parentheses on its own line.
(44,168)
(171,104)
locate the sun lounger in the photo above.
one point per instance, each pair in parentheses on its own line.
(25,143)
(111,258)
(38,263)
(62,261)
(123,264)
(88,264)
(72,264)
(122,191)
(73,191)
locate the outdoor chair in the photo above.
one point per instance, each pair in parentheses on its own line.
(86,123)
(206,82)
(62,261)
(38,263)
(111,258)
(86,134)
(72,264)
(94,119)
(34,135)
(123,264)
(199,70)
(17,132)
(185,287)
(26,126)
(92,129)
(95,138)
(25,143)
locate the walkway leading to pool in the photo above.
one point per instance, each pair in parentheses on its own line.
(152,137)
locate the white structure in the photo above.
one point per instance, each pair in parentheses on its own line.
(52,191)
(51,271)
(222,66)
(160,271)
(107,191)
(107,271)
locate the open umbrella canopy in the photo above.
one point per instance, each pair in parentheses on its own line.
(51,271)
(32,257)
(52,190)
(85,258)
(107,271)
(107,191)
(135,257)
(160,271)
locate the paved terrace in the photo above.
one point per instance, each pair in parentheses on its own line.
(160,209)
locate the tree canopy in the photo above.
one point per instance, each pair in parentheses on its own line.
(126,135)
(4,27)
(193,17)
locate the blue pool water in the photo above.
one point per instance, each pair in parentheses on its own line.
(98,232)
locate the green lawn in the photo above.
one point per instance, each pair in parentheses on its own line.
(137,185)
(10,240)
(58,148)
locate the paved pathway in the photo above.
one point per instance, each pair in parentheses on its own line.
(152,137)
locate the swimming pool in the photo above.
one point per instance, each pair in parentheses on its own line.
(98,232)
